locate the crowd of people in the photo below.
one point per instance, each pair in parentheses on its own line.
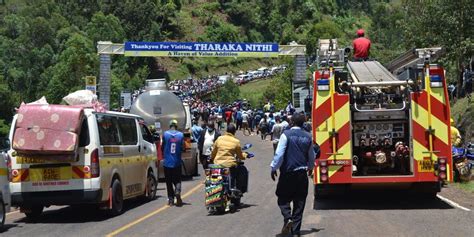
(266,122)
(194,87)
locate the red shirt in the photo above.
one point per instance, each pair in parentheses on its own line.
(228,115)
(361,47)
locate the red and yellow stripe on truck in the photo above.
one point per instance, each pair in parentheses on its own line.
(430,124)
(332,130)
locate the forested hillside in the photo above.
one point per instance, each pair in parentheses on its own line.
(48,46)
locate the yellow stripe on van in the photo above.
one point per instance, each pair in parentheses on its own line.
(3,172)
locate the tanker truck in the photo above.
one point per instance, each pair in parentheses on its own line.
(158,106)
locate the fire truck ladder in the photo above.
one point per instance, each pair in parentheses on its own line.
(370,72)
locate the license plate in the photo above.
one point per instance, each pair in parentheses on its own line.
(425,166)
(51,174)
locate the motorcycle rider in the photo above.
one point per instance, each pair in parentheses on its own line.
(227,152)
(455,135)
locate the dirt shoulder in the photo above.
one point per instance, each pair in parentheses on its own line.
(458,195)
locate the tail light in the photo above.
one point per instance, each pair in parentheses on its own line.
(323,171)
(442,168)
(95,166)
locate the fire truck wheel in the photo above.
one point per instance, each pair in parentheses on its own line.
(117,198)
(34,212)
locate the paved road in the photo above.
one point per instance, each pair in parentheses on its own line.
(381,214)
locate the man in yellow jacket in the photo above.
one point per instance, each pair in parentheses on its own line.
(455,135)
(227,150)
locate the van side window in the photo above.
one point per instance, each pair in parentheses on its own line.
(146,134)
(128,131)
(108,130)
(84,138)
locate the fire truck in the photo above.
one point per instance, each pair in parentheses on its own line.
(380,126)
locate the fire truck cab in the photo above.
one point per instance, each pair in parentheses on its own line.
(380,126)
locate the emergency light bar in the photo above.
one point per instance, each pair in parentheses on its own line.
(323,84)
(436,81)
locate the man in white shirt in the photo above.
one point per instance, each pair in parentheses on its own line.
(205,143)
(245,123)
(277,130)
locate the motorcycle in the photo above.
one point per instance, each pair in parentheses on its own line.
(470,153)
(223,191)
(462,166)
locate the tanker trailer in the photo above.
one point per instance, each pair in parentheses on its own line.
(158,106)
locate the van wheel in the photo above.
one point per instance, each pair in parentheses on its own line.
(117,198)
(151,187)
(34,212)
(2,213)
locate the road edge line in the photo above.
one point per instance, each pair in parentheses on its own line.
(452,203)
(129,225)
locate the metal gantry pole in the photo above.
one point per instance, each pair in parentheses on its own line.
(104,79)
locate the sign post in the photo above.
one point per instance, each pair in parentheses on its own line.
(91,83)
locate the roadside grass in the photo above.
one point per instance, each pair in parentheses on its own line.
(466,186)
(253,91)
(462,111)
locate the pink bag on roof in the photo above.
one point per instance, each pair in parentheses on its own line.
(47,129)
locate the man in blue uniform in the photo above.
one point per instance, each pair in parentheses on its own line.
(294,157)
(173,144)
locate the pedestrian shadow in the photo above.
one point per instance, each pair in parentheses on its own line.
(380,200)
(185,204)
(302,232)
(241,207)
(244,206)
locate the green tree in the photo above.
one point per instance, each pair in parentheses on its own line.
(105,28)
(323,30)
(445,23)
(4,129)
(75,62)
(279,91)
(228,93)
(222,32)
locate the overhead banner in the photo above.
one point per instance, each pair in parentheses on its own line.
(200,49)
